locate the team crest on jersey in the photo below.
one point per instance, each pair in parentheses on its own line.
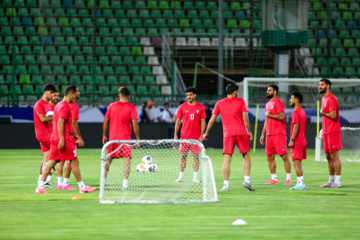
(272,107)
(197,111)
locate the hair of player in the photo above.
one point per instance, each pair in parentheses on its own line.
(70,90)
(124,91)
(326,81)
(166,104)
(230,88)
(298,96)
(275,87)
(49,87)
(191,89)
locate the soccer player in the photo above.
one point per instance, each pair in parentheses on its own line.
(236,130)
(297,142)
(52,103)
(275,130)
(331,133)
(121,114)
(63,142)
(193,118)
(43,125)
(74,108)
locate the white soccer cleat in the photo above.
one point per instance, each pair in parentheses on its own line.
(225,188)
(125,188)
(180,179)
(196,180)
(49,184)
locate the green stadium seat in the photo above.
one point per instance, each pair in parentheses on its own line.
(140,4)
(179,14)
(127,5)
(16,89)
(121,70)
(4,90)
(136,23)
(150,80)
(86,80)
(214,14)
(36,79)
(129,32)
(79,59)
(104,60)
(71,13)
(228,14)
(138,79)
(55,59)
(108,70)
(113,22)
(61,80)
(21,69)
(116,60)
(7,69)
(340,52)
(124,23)
(208,23)
(19,59)
(42,59)
(25,79)
(140,32)
(350,71)
(46,69)
(356,62)
(104,90)
(128,60)
(340,24)
(100,22)
(22,40)
(345,62)
(49,79)
(4,59)
(28,59)
(136,51)
(80,31)
(83,13)
(156,14)
(149,22)
(104,4)
(349,43)
(104,31)
(50,50)
(335,43)
(119,13)
(353,52)
(33,69)
(348,16)
(334,61)
(168,14)
(160,23)
(134,70)
(145,70)
(58,70)
(154,90)
(112,50)
(124,51)
(212,6)
(100,50)
(192,14)
(141,90)
(140,60)
(131,14)
(163,30)
(188,5)
(235,6)
(71,69)
(124,80)
(111,80)
(84,70)
(116,32)
(74,79)
(204,14)
(232,23)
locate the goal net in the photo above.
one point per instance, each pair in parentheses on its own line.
(154,182)
(346,90)
(350,144)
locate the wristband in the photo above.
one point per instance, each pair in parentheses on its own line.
(291,139)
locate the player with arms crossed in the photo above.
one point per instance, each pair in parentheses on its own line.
(331,133)
(275,130)
(297,142)
(121,114)
(236,129)
(193,118)
(74,108)
(52,103)
(63,142)
(42,124)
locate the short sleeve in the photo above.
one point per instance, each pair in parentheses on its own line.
(295,118)
(134,115)
(64,111)
(108,112)
(332,104)
(179,114)
(203,113)
(39,109)
(280,107)
(244,108)
(216,110)
(74,111)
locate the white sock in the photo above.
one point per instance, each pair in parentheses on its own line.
(300,181)
(181,175)
(39,178)
(195,174)
(41,184)
(66,182)
(81,184)
(247,179)
(226,183)
(337,179)
(331,178)
(48,178)
(125,183)
(288,176)
(60,181)
(274,176)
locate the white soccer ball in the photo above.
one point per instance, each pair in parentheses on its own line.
(145,168)
(49,114)
(154,167)
(147,160)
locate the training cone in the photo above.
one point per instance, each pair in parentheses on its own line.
(77,198)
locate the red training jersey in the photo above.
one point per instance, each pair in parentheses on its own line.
(52,109)
(74,108)
(328,104)
(298,116)
(231,110)
(42,129)
(62,110)
(191,116)
(120,115)
(275,127)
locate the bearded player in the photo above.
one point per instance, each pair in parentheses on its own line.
(297,142)
(275,130)
(192,115)
(43,125)
(331,133)
(52,103)
(236,130)
(63,142)
(121,114)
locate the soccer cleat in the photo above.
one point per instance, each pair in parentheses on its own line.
(87,189)
(40,191)
(272,181)
(335,185)
(68,187)
(298,188)
(287,182)
(54,170)
(180,179)
(196,180)
(59,187)
(49,184)
(326,185)
(225,188)
(125,188)
(248,186)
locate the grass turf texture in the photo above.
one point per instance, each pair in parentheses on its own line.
(272,212)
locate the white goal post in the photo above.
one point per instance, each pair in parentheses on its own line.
(350,143)
(158,186)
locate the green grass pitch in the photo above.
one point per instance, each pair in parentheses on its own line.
(272,212)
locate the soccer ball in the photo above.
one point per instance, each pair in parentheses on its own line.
(147,160)
(154,167)
(49,114)
(144,168)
